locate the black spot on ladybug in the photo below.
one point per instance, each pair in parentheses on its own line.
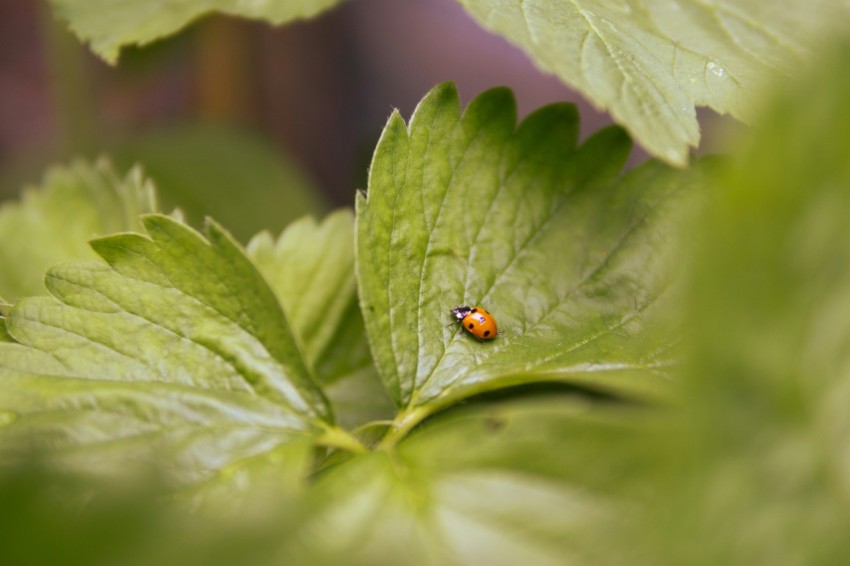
(471,325)
(474,311)
(486,333)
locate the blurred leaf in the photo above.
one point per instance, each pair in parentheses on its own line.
(754,468)
(575,264)
(108,25)
(55,221)
(649,63)
(311,270)
(224,173)
(174,347)
(94,523)
(36,509)
(492,485)
(4,334)
(255,490)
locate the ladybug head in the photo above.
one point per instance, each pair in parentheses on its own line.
(460,312)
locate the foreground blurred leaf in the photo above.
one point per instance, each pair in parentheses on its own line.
(574,263)
(55,221)
(311,269)
(225,173)
(754,469)
(502,484)
(109,25)
(175,347)
(95,523)
(650,63)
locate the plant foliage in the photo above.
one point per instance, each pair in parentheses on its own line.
(650,64)
(473,210)
(109,25)
(177,352)
(54,222)
(669,383)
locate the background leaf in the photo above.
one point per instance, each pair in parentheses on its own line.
(225,173)
(109,25)
(55,221)
(574,263)
(175,346)
(311,270)
(650,63)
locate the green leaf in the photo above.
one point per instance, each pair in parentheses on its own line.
(109,25)
(54,222)
(226,173)
(752,468)
(650,63)
(772,333)
(256,489)
(311,270)
(575,264)
(501,484)
(174,345)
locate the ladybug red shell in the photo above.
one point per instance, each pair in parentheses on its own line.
(476,321)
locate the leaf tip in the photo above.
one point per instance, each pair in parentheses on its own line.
(154,221)
(442,96)
(218,234)
(444,90)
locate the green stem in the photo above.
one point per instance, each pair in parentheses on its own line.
(403,424)
(339,438)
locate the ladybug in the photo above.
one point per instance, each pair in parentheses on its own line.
(476,321)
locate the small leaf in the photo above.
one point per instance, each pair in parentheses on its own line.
(176,344)
(650,63)
(109,25)
(575,264)
(54,222)
(311,270)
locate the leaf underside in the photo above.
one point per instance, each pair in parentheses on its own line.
(108,25)
(650,63)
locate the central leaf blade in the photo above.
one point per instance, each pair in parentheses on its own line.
(471,210)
